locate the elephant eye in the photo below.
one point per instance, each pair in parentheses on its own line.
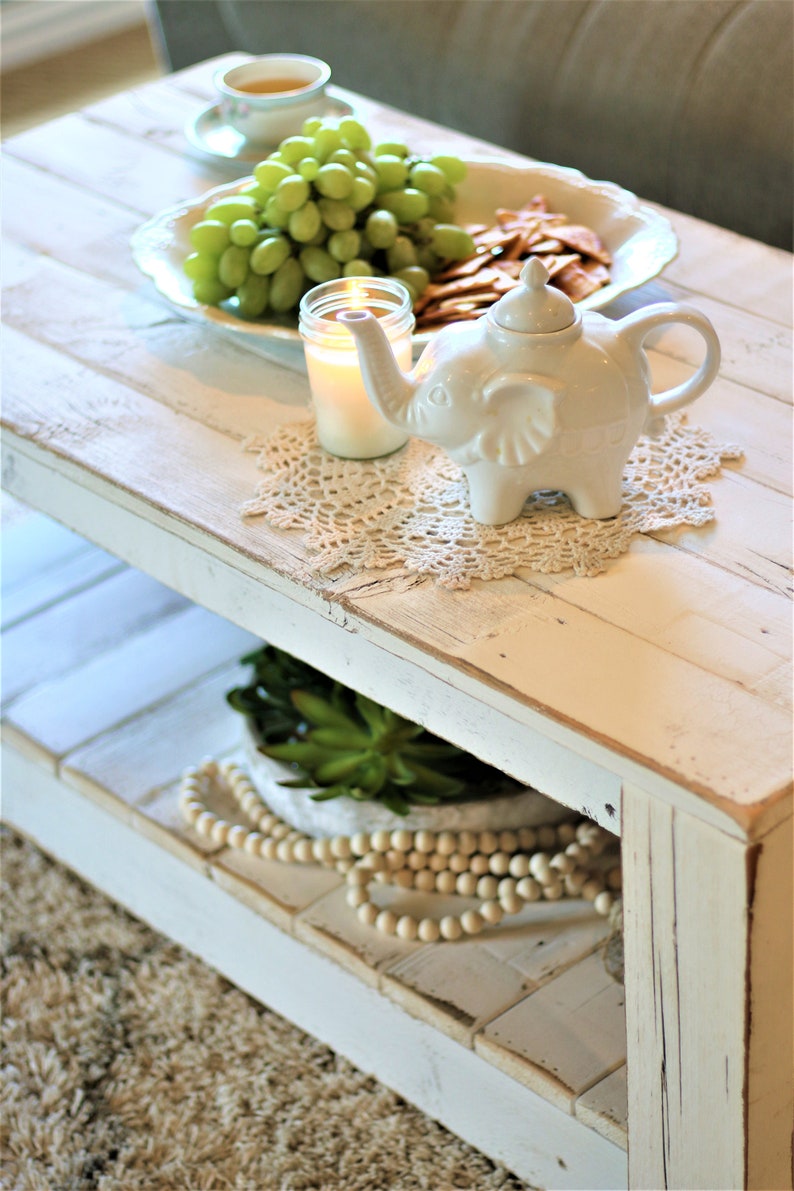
(438,395)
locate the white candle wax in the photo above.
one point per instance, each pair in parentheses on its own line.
(348,424)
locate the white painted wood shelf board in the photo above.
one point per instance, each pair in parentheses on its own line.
(89,755)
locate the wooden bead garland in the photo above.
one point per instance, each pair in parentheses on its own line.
(504,870)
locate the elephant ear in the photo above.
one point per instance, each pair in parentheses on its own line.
(521,415)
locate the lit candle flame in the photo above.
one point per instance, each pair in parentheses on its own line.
(358,297)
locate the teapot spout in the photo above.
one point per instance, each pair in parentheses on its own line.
(389,389)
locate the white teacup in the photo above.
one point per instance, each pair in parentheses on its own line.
(269,97)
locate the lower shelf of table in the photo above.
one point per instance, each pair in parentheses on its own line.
(515,1040)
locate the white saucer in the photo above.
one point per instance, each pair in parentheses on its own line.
(211,137)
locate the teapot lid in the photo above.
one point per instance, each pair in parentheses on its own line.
(534,307)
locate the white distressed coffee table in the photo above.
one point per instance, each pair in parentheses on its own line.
(655,697)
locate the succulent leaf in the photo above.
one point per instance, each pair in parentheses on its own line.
(395,803)
(339,738)
(430,751)
(373,774)
(399,772)
(345,765)
(296,752)
(432,782)
(320,712)
(329,792)
(346,743)
(372,714)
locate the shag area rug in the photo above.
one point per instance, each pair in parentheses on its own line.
(127,1064)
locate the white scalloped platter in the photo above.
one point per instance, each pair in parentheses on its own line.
(642,242)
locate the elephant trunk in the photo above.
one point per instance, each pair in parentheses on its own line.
(388,387)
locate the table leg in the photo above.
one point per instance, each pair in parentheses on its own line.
(708,954)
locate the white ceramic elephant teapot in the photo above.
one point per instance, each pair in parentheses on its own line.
(533,395)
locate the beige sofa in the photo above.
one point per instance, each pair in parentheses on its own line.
(686,102)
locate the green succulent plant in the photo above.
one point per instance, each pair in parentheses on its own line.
(343,744)
(267,699)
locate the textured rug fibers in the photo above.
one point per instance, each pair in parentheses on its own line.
(128,1064)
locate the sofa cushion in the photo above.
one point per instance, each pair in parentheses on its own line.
(685,102)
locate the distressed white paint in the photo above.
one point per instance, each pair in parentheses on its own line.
(119,434)
(80,628)
(74,707)
(769,1060)
(152,748)
(604,1106)
(511,1124)
(565,1037)
(708,992)
(541,657)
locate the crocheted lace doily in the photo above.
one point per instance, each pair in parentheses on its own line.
(410,510)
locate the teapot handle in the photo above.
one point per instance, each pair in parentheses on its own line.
(636,327)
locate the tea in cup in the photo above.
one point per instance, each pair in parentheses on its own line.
(268,98)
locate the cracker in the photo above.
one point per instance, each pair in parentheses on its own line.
(576,258)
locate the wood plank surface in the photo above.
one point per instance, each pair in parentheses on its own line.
(78,628)
(42,563)
(71,708)
(627,723)
(110,338)
(710,1005)
(472,1097)
(565,1037)
(124,337)
(769,1059)
(733,776)
(133,760)
(604,1106)
(473,982)
(127,771)
(655,697)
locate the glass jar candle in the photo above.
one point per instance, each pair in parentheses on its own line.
(348,425)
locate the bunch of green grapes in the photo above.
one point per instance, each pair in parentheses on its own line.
(323,205)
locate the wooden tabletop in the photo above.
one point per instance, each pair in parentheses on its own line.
(123,419)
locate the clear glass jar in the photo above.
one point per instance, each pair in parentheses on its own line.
(348,425)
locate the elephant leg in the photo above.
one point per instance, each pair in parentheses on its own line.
(598,495)
(496,493)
